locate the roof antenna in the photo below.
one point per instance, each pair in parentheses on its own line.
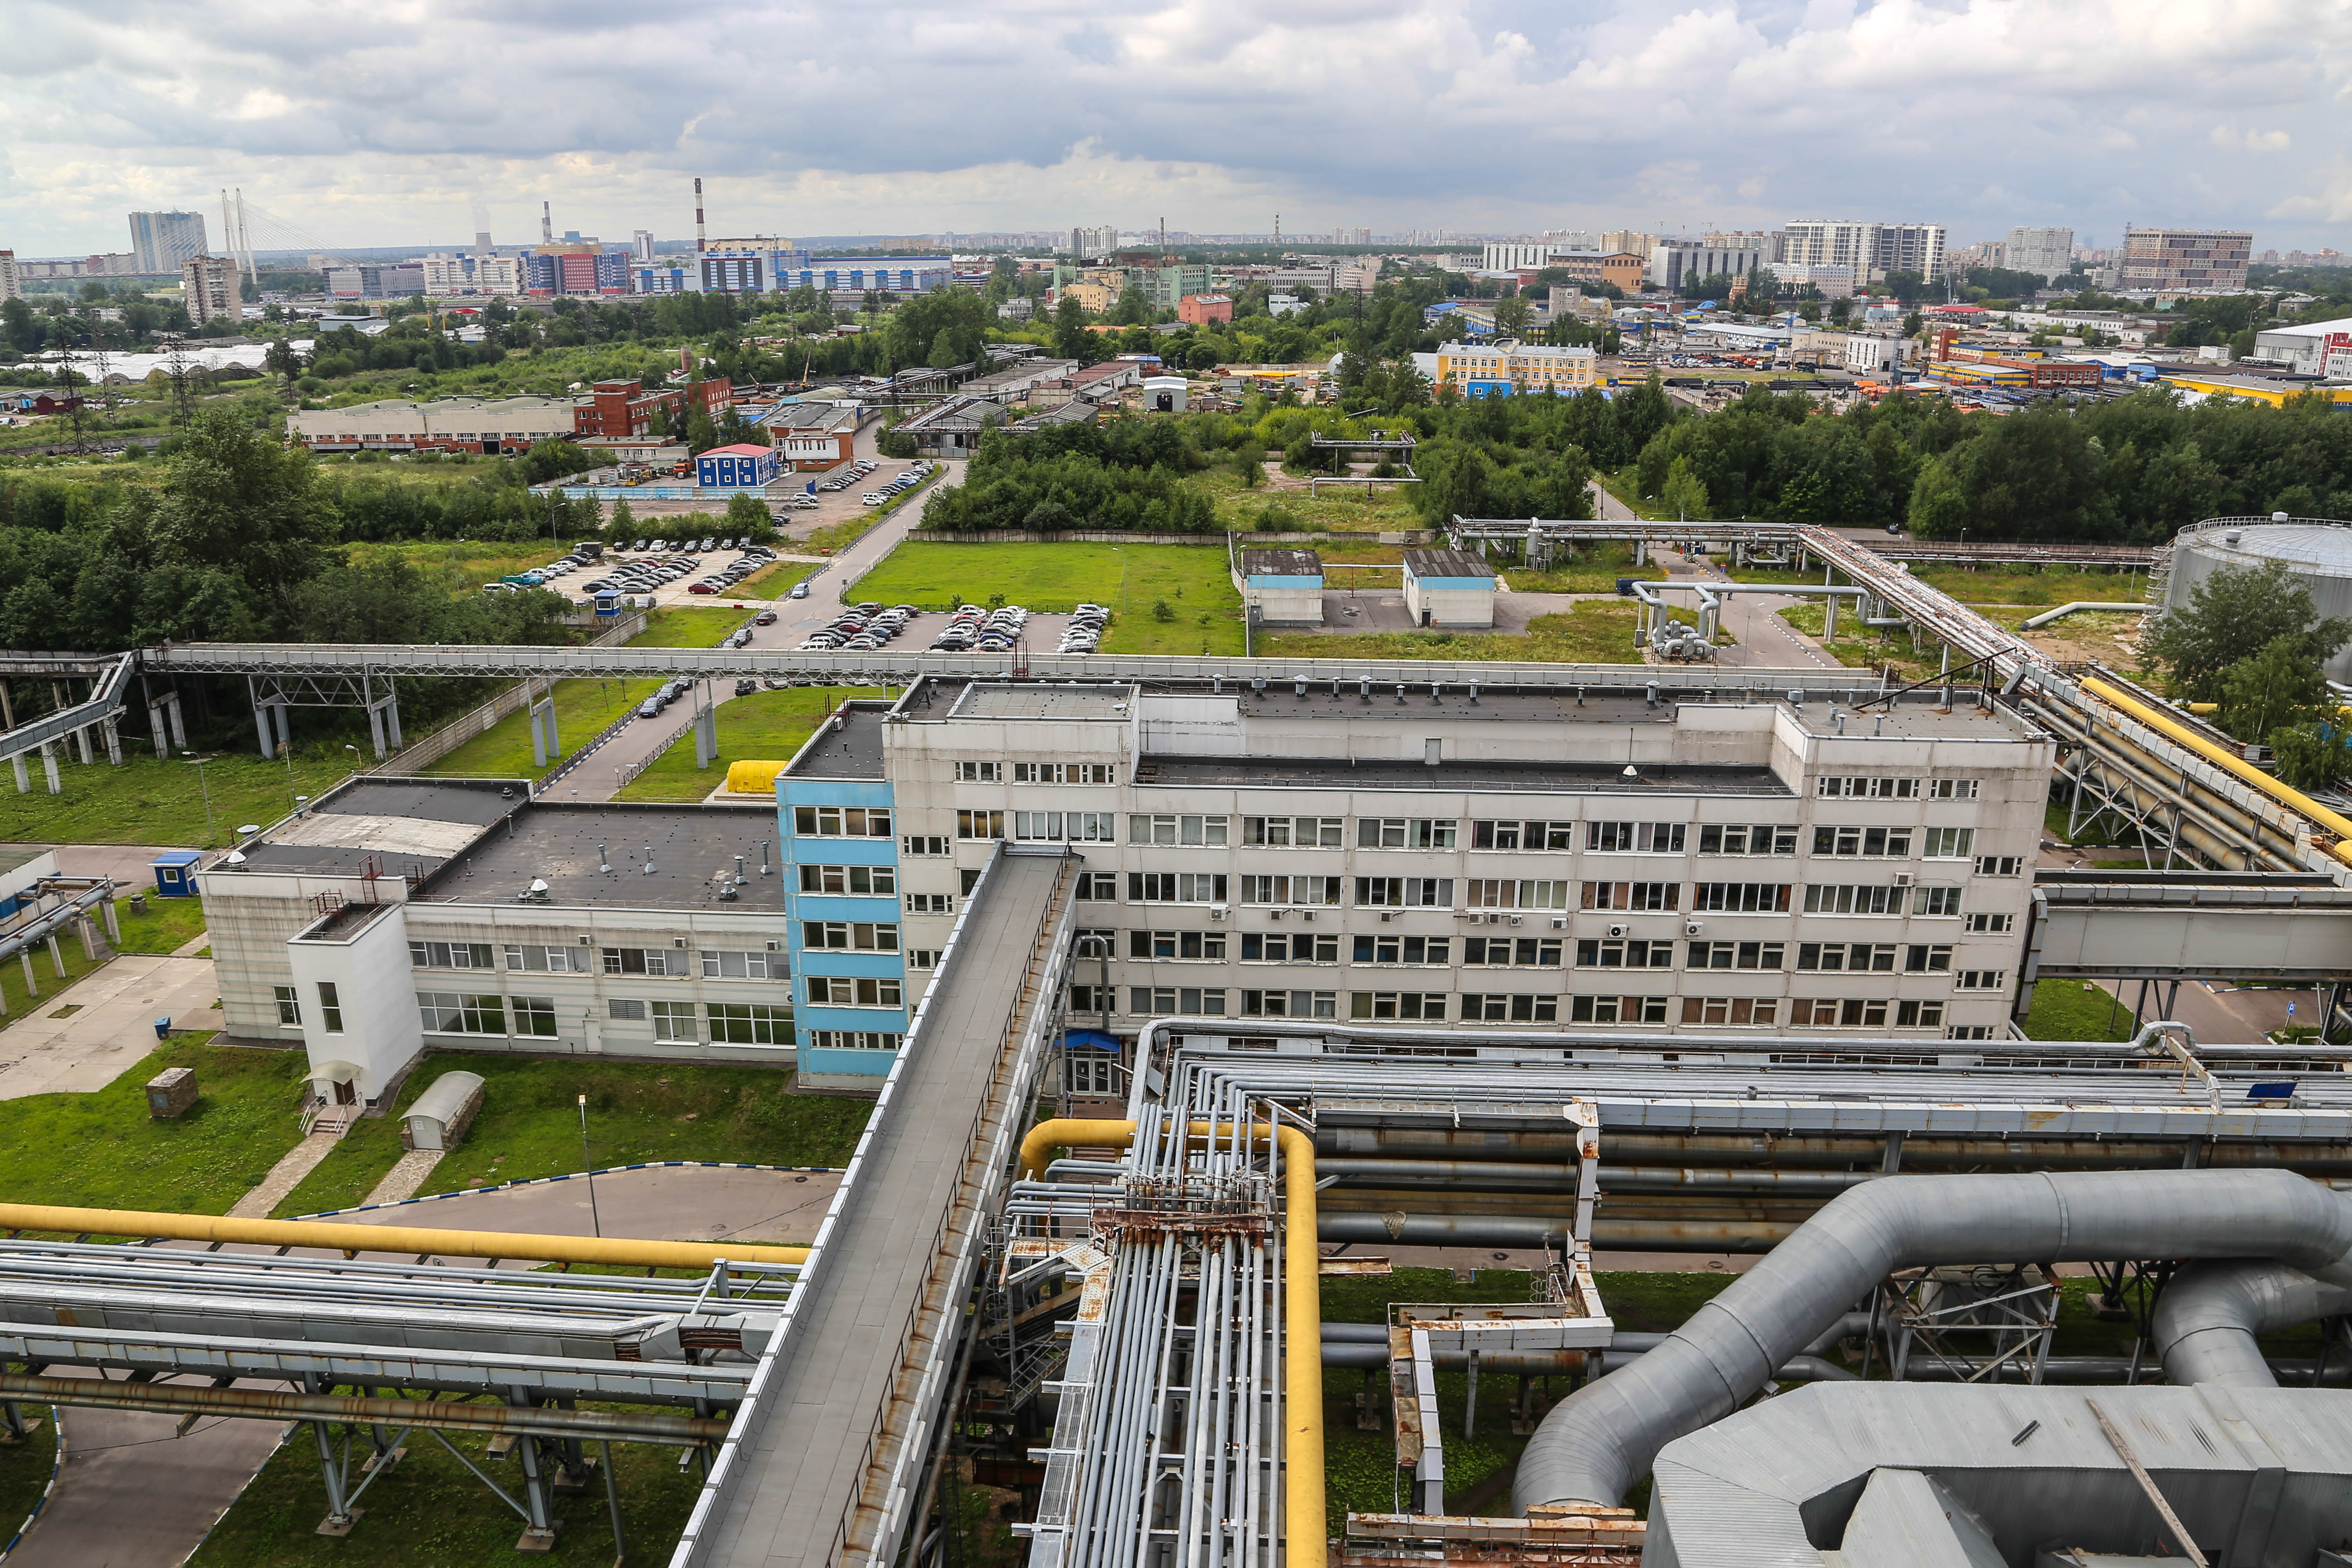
(603,860)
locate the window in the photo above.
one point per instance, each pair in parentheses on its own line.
(1290,1004)
(1753,838)
(1403,949)
(1950,843)
(1092,999)
(1736,954)
(1926,958)
(1384,1004)
(1832,957)
(673,1021)
(452,1012)
(1149,944)
(979,825)
(449,955)
(1841,787)
(1428,892)
(1510,1008)
(749,1024)
(1504,893)
(1919,1014)
(1739,897)
(1968,1032)
(544,960)
(1523,836)
(967,879)
(535,1016)
(840,822)
(1263,889)
(856,881)
(1404,833)
(642,961)
(1089,1072)
(1201,830)
(851,936)
(1380,892)
(1176,887)
(1940,902)
(1098,887)
(1063,772)
(1997,864)
(1290,947)
(1066,826)
(980,772)
(1734,1010)
(1848,1012)
(1659,837)
(289,1007)
(1518,953)
(924,848)
(624,1011)
(922,958)
(1828,899)
(1297,832)
(737,965)
(855,1040)
(1952,789)
(330,1007)
(931,903)
(1863,840)
(1613,953)
(1978,979)
(853,991)
(1190,1002)
(1989,924)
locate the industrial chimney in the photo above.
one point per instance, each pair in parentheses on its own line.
(698,245)
(546,224)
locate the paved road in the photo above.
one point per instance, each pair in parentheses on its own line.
(133,1495)
(112,1024)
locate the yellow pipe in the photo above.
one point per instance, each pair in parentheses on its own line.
(2294,800)
(1305,1542)
(351,1238)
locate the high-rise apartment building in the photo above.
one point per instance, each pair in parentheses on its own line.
(10,288)
(2047,251)
(162,242)
(2187,260)
(208,288)
(1629,239)
(1867,247)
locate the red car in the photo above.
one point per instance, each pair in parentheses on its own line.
(700,588)
(764,618)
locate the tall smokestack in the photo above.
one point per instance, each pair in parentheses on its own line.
(546,224)
(698,245)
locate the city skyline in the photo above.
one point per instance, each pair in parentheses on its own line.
(1976,114)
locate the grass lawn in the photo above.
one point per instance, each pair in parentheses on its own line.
(1621,486)
(1057,577)
(764,726)
(583,708)
(1590,633)
(1594,570)
(1353,509)
(430,1511)
(530,1123)
(461,568)
(102,1151)
(772,582)
(150,802)
(1866,651)
(45,974)
(25,1469)
(685,626)
(2072,1010)
(166,926)
(2029,585)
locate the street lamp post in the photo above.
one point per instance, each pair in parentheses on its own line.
(192,756)
(589,1165)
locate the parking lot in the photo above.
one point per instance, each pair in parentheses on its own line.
(920,632)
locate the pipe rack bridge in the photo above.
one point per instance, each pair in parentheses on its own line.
(832,1456)
(108,679)
(2182,925)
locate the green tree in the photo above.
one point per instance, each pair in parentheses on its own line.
(1071,338)
(1511,315)
(1685,494)
(622,526)
(2312,756)
(701,430)
(234,499)
(1763,288)
(747,515)
(2278,688)
(2234,615)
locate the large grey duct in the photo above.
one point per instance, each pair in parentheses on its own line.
(2206,1320)
(1596,1442)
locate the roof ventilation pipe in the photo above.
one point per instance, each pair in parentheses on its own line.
(1598,1441)
(2206,1317)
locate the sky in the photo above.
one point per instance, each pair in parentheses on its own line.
(367,122)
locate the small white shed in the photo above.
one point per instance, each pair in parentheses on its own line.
(442,1113)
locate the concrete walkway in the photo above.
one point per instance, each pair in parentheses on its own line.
(406,1177)
(286,1174)
(113,1025)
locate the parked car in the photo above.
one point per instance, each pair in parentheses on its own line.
(764,618)
(650,708)
(745,686)
(800,591)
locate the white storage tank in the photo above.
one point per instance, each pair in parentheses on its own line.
(2318,552)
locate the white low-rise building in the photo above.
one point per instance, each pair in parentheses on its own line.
(447,424)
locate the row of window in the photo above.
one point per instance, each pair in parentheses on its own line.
(1538,894)
(853,991)
(1847,786)
(726,1023)
(1435,833)
(1517,1007)
(549,959)
(1038,772)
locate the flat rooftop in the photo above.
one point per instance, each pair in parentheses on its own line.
(1281,563)
(848,746)
(394,826)
(1531,777)
(989,699)
(1453,700)
(688,848)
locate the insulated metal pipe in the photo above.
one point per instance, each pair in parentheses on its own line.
(1596,1442)
(1509,1231)
(1639,1150)
(2206,1319)
(1501,1176)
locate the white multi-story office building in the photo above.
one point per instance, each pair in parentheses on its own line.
(2049,252)
(1868,247)
(162,242)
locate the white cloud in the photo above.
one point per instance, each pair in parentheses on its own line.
(372,123)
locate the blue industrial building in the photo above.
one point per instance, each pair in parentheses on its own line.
(841,860)
(740,466)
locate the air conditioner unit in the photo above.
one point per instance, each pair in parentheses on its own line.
(1560,923)
(1694,928)
(1619,930)
(678,942)
(584,940)
(774,946)
(1217,912)
(1275,914)
(1903,879)
(1518,919)
(1387,915)
(1307,914)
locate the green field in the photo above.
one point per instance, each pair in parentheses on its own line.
(463,568)
(25,1467)
(1595,570)
(773,582)
(103,1150)
(530,1123)
(1134,580)
(2072,1010)
(688,626)
(2029,585)
(164,926)
(1590,633)
(1868,651)
(767,726)
(148,802)
(1361,509)
(583,708)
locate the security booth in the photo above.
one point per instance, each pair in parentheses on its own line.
(175,873)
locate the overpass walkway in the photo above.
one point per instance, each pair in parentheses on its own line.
(827,1462)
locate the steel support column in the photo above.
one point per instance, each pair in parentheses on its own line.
(49,767)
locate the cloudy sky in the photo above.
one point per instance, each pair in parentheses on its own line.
(397,121)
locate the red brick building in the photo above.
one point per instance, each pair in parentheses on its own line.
(1200,309)
(625,408)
